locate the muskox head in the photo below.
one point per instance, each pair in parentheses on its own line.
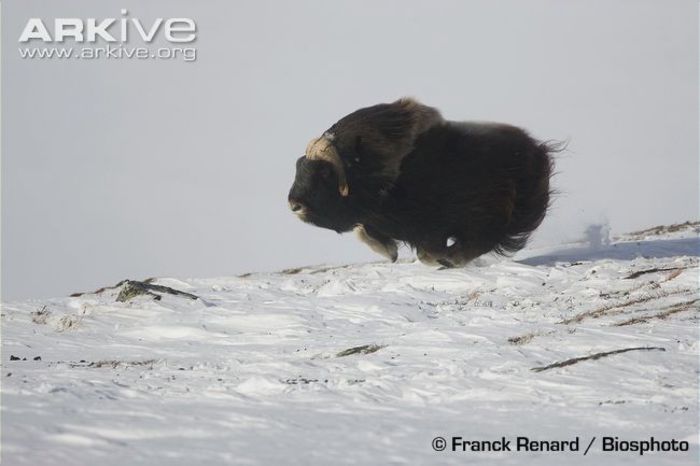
(320,190)
(348,170)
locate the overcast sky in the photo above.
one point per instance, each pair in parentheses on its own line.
(116,169)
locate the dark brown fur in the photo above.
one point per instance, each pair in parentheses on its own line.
(451,190)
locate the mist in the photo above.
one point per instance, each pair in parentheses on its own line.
(122,168)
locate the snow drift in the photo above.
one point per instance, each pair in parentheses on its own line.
(366,363)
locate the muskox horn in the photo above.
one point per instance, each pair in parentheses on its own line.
(322,149)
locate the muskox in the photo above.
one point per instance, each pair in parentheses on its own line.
(399,172)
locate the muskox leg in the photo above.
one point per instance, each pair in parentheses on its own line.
(435,260)
(378,242)
(427,258)
(459,255)
(448,255)
(432,253)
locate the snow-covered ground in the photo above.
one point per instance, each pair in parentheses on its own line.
(365,364)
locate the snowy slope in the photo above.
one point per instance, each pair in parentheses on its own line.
(365,364)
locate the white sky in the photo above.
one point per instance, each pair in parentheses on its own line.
(128,169)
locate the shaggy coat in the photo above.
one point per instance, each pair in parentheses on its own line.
(399,172)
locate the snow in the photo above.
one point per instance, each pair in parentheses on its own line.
(367,363)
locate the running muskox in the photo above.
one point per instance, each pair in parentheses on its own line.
(399,172)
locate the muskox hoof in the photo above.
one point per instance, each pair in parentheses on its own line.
(446,264)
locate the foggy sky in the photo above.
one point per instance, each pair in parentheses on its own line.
(116,169)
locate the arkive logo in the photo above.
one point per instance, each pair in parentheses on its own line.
(122,30)
(109,39)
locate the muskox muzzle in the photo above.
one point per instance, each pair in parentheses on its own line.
(316,196)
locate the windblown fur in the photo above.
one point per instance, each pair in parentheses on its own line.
(400,172)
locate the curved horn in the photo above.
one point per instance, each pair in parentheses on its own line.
(323,149)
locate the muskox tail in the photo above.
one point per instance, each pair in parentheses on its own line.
(531,195)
